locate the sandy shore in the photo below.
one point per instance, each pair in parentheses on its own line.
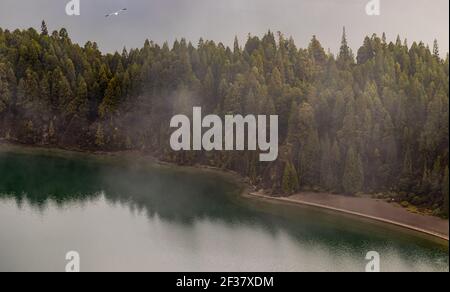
(368,208)
(363,207)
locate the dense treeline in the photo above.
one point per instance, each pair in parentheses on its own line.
(372,122)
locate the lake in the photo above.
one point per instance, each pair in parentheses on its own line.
(128,214)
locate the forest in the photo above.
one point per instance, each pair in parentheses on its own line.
(373,121)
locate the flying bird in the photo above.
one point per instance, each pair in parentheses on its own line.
(116,13)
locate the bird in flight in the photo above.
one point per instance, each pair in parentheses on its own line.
(116,13)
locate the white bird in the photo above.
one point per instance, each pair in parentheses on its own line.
(116,13)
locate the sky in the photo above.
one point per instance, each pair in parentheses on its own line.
(222,20)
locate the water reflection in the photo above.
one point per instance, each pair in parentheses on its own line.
(174,196)
(185,204)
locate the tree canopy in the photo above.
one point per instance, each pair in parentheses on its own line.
(374,122)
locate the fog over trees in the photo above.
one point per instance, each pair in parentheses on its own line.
(372,121)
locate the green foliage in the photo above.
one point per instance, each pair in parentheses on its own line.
(6,77)
(111,99)
(309,151)
(290,183)
(445,192)
(44,29)
(99,136)
(353,178)
(345,57)
(378,123)
(329,165)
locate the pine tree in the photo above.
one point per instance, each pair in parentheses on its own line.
(290,182)
(45,93)
(345,57)
(436,49)
(51,132)
(391,107)
(99,136)
(309,153)
(79,105)
(353,178)
(111,99)
(326,166)
(236,47)
(5,87)
(63,34)
(445,191)
(335,165)
(317,52)
(406,179)
(44,29)
(365,53)
(276,84)
(293,123)
(436,175)
(61,92)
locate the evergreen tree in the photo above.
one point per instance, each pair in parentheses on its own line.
(111,99)
(327,179)
(389,110)
(345,57)
(309,153)
(353,178)
(335,168)
(317,52)
(290,183)
(99,136)
(445,191)
(6,94)
(436,49)
(44,29)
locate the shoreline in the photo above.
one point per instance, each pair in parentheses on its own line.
(370,208)
(310,203)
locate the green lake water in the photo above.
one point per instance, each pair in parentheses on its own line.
(124,214)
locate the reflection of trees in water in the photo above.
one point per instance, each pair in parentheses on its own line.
(40,179)
(173,196)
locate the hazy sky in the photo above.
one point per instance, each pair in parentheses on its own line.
(221,20)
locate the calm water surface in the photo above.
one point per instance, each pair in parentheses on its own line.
(129,215)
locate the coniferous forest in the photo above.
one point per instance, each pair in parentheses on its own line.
(373,121)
